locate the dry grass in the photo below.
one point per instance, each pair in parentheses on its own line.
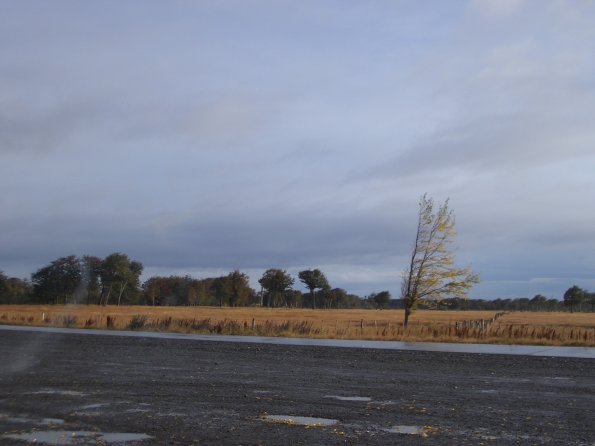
(437,326)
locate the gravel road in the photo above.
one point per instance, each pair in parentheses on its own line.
(84,389)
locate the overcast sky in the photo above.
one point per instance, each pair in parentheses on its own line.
(200,137)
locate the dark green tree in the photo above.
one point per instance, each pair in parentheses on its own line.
(538,303)
(91,271)
(276,282)
(591,300)
(200,292)
(152,290)
(381,299)
(220,290)
(293,298)
(172,290)
(337,298)
(553,304)
(58,282)
(14,290)
(574,296)
(313,279)
(238,289)
(120,276)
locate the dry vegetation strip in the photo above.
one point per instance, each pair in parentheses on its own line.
(437,326)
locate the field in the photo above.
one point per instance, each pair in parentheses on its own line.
(571,329)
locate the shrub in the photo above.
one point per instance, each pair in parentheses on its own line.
(68,320)
(137,322)
(164,324)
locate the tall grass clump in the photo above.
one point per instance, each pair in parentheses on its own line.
(137,322)
(68,320)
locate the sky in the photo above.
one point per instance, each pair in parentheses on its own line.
(200,137)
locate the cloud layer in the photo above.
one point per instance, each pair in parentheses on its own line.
(203,137)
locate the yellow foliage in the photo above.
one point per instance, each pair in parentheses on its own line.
(431,273)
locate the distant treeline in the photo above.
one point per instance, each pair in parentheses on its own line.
(537,303)
(115,279)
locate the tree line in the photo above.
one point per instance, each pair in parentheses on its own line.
(569,302)
(115,280)
(70,279)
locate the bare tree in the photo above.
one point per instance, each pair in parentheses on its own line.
(431,273)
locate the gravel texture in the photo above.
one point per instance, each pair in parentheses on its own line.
(82,389)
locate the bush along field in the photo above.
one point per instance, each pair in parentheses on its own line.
(548,328)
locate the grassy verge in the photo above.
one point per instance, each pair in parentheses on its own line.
(576,329)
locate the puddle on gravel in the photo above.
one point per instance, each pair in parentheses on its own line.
(122,437)
(408,430)
(94,406)
(21,419)
(136,410)
(172,414)
(11,419)
(361,399)
(51,421)
(299,421)
(61,438)
(57,392)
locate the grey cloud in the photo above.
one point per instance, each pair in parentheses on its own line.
(23,128)
(497,9)
(227,137)
(96,121)
(279,240)
(221,122)
(496,143)
(257,241)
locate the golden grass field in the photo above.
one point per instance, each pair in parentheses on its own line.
(576,329)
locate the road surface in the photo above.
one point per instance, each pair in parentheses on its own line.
(75,388)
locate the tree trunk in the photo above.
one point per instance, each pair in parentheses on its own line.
(407,313)
(109,291)
(121,291)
